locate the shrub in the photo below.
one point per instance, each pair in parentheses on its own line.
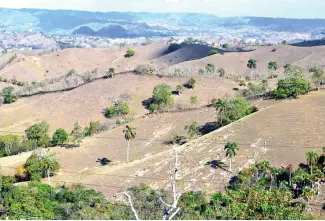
(225,46)
(248,78)
(210,68)
(192,130)
(92,129)
(37,166)
(8,95)
(119,108)
(291,87)
(213,52)
(179,89)
(77,133)
(191,83)
(145,69)
(173,47)
(221,72)
(59,136)
(39,133)
(193,99)
(161,98)
(129,53)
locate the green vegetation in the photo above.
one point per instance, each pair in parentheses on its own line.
(179,89)
(145,69)
(221,72)
(191,83)
(192,130)
(161,98)
(118,109)
(9,96)
(39,166)
(92,129)
(232,110)
(292,86)
(39,133)
(318,76)
(59,137)
(129,53)
(253,90)
(193,99)
(261,192)
(173,47)
(129,134)
(225,46)
(210,68)
(213,52)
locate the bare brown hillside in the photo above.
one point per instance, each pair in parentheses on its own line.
(86,103)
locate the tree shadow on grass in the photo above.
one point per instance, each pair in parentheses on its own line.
(103,161)
(217,164)
(208,128)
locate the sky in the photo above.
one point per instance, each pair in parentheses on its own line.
(264,8)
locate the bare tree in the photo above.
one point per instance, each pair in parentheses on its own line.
(172,209)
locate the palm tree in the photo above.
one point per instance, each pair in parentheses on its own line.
(231,148)
(221,106)
(273,66)
(129,134)
(312,159)
(251,65)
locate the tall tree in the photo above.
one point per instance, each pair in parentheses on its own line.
(129,134)
(251,65)
(273,66)
(231,148)
(312,159)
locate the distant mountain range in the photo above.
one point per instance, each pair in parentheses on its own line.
(128,24)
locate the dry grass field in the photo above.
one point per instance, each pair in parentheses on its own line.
(281,133)
(86,103)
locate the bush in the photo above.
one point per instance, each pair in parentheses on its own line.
(145,69)
(8,95)
(39,133)
(225,46)
(221,72)
(179,89)
(173,47)
(129,53)
(77,133)
(92,129)
(59,136)
(291,87)
(193,99)
(119,108)
(191,83)
(37,166)
(161,98)
(210,68)
(213,52)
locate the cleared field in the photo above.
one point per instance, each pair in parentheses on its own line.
(281,133)
(37,68)
(86,103)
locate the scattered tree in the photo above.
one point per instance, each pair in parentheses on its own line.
(129,53)
(231,148)
(318,76)
(225,46)
(210,68)
(129,134)
(39,133)
(59,137)
(291,87)
(192,83)
(251,65)
(273,66)
(9,96)
(221,72)
(161,98)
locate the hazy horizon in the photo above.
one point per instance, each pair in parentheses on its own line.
(222,8)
